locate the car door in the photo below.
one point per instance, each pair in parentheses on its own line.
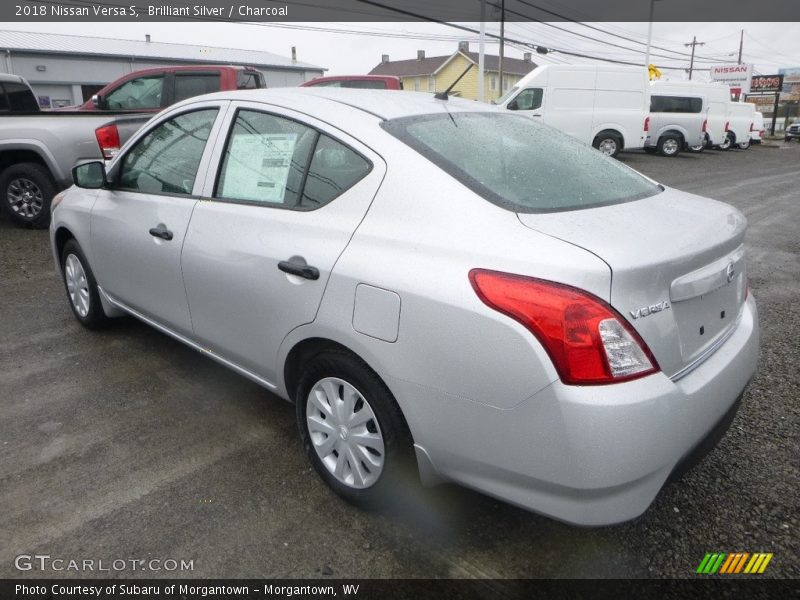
(529,101)
(287,196)
(138,225)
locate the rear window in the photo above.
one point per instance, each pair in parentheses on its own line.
(519,164)
(366,84)
(20,97)
(675,104)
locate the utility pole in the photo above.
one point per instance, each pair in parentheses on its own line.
(693,43)
(502,43)
(741,43)
(481,52)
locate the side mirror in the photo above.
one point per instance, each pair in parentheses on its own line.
(513,105)
(99,102)
(91,175)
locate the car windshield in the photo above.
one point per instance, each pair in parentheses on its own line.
(519,164)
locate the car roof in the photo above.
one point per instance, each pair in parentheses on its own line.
(383,104)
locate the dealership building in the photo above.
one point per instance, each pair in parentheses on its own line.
(67,69)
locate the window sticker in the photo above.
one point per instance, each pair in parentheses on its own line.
(258,166)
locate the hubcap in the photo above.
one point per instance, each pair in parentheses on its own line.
(77,285)
(345,433)
(25,198)
(670,146)
(608,146)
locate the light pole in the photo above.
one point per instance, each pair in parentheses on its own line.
(649,33)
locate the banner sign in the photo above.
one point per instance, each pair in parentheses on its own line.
(766,83)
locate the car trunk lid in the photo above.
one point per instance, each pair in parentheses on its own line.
(677,268)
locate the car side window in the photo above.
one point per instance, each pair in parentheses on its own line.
(279,162)
(189,85)
(142,92)
(166,159)
(334,169)
(528,99)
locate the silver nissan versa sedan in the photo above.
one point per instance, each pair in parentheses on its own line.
(433,283)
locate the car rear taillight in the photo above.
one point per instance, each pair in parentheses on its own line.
(727,125)
(705,125)
(647,124)
(108,139)
(587,340)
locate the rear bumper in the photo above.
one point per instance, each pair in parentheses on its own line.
(586,455)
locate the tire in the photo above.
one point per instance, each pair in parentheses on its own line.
(81,287)
(727,143)
(669,145)
(383,462)
(743,145)
(650,149)
(609,144)
(27,192)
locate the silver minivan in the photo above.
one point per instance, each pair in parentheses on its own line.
(677,122)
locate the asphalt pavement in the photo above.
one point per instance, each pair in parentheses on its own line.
(126,445)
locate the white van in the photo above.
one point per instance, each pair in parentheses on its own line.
(677,122)
(605,106)
(718,99)
(741,117)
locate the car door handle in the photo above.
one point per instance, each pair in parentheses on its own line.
(299,269)
(161,232)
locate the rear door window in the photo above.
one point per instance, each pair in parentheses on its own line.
(279,162)
(189,85)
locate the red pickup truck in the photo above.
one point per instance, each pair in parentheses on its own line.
(151,90)
(369,82)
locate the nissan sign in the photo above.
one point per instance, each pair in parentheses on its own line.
(734,75)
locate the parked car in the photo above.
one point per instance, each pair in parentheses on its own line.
(151,90)
(741,118)
(605,106)
(39,148)
(677,122)
(717,97)
(757,133)
(421,289)
(365,82)
(16,95)
(792,132)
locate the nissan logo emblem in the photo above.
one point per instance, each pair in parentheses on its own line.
(730,272)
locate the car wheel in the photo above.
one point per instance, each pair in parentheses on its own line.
(608,143)
(79,281)
(726,143)
(743,145)
(27,190)
(669,145)
(352,429)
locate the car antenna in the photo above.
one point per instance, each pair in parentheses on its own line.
(443,95)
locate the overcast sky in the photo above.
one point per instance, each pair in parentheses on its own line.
(767,45)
